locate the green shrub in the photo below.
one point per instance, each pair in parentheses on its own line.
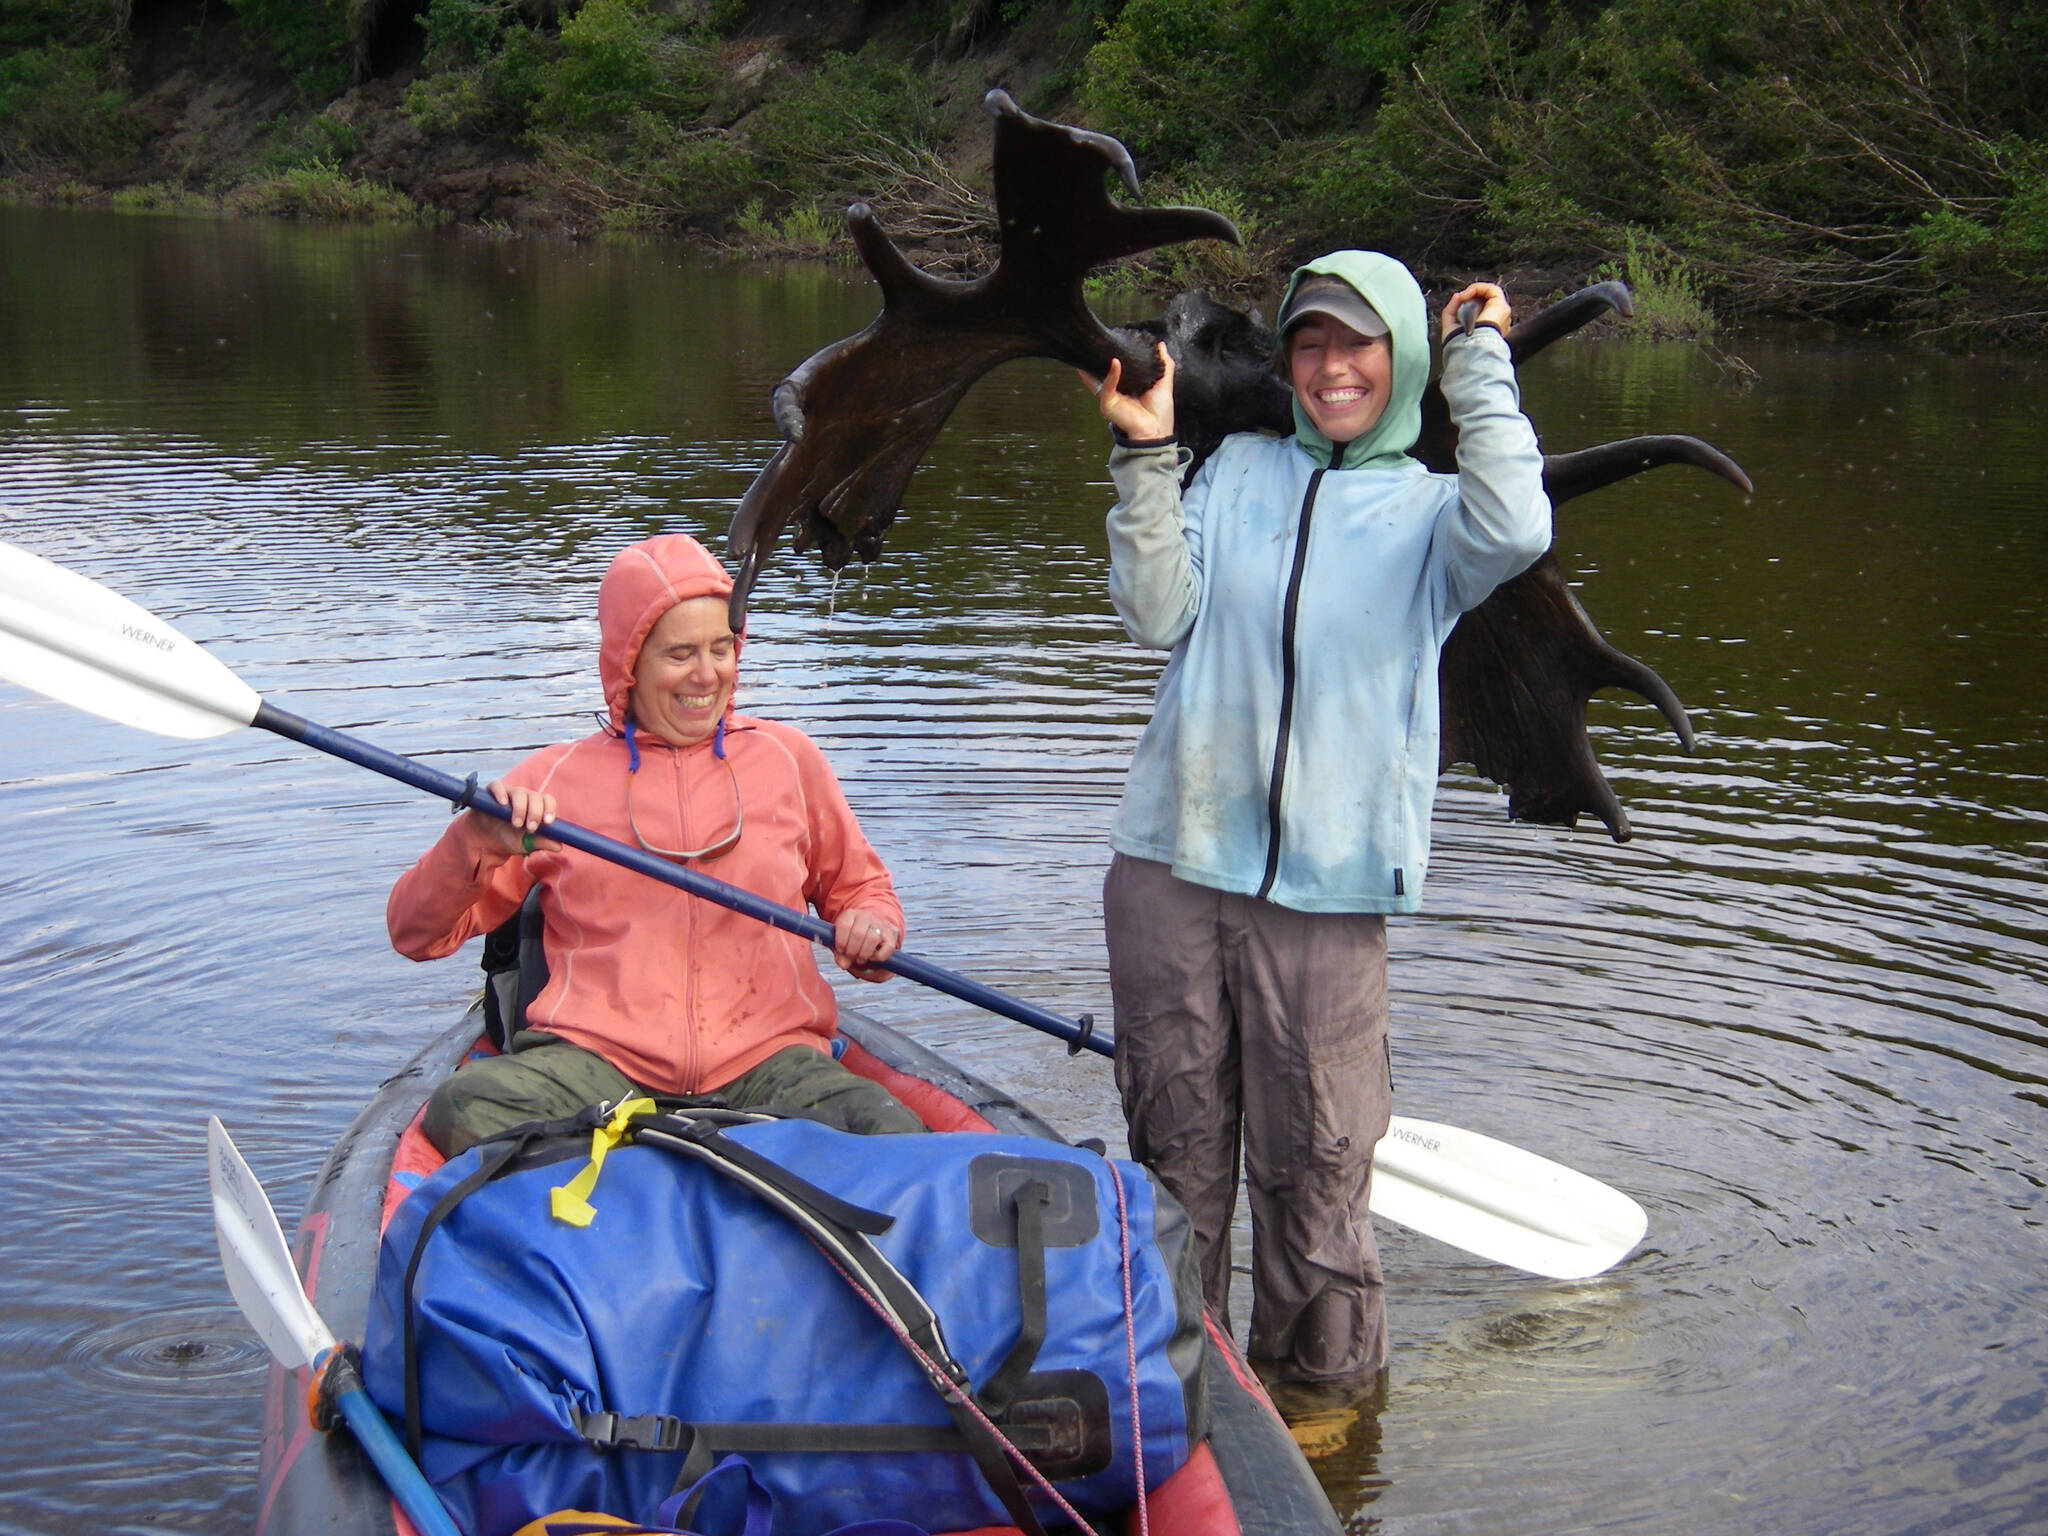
(307,38)
(454,101)
(851,126)
(799,232)
(307,141)
(460,32)
(321,192)
(161,197)
(58,104)
(1216,265)
(621,57)
(652,176)
(1669,295)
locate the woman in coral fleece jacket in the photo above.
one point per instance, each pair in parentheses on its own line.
(650,989)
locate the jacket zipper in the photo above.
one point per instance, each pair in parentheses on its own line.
(1287,623)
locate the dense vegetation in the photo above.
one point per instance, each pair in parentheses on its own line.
(1859,159)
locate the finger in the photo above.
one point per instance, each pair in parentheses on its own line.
(1112,376)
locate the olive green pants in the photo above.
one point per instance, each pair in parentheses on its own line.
(542,1078)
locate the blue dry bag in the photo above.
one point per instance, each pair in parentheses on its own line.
(755,1286)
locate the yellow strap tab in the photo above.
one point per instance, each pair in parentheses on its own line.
(570,1202)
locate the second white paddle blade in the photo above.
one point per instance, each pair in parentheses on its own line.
(259,1267)
(1500,1202)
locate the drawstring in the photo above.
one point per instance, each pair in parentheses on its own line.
(739,810)
(633,747)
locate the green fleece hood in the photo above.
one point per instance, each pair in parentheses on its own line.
(1389,288)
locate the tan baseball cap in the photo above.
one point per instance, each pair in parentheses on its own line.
(1321,293)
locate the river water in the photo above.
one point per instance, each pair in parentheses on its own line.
(1801,1017)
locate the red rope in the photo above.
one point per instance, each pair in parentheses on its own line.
(1123,1233)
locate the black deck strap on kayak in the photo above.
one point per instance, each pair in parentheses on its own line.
(1031,1201)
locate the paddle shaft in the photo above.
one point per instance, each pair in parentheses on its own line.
(407,1483)
(464,792)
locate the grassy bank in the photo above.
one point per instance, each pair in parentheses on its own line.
(1883,161)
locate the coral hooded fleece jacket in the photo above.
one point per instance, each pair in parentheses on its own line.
(679,994)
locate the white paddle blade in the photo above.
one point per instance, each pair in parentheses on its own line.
(1500,1202)
(70,638)
(259,1266)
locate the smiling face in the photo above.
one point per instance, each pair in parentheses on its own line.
(685,673)
(1341,378)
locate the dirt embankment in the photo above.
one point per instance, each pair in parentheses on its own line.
(215,115)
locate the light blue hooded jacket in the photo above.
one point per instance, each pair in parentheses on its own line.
(1292,750)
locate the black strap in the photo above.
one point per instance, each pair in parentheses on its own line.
(993,1462)
(843,1213)
(495,1156)
(1030,1202)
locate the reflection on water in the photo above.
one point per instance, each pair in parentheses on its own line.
(1801,1017)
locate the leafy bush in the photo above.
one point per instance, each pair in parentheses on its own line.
(161,197)
(308,38)
(854,124)
(1821,155)
(460,32)
(1670,301)
(310,140)
(322,192)
(58,104)
(618,58)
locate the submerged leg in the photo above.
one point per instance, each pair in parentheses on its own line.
(1311,995)
(1177,1064)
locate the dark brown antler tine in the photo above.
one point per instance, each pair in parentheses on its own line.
(1568,314)
(1057,215)
(1566,475)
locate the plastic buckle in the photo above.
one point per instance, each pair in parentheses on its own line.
(651,1432)
(608,1431)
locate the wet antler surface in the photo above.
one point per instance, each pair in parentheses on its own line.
(858,416)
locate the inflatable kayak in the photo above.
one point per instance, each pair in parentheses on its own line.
(1247,1477)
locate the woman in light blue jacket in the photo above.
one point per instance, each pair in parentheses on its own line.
(1278,804)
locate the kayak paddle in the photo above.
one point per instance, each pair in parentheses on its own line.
(68,637)
(267,1288)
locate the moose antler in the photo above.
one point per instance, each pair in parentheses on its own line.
(857,418)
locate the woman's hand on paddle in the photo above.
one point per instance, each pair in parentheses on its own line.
(1141,418)
(1493,308)
(861,941)
(531,810)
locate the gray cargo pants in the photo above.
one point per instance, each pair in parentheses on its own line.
(543,1078)
(1238,1017)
